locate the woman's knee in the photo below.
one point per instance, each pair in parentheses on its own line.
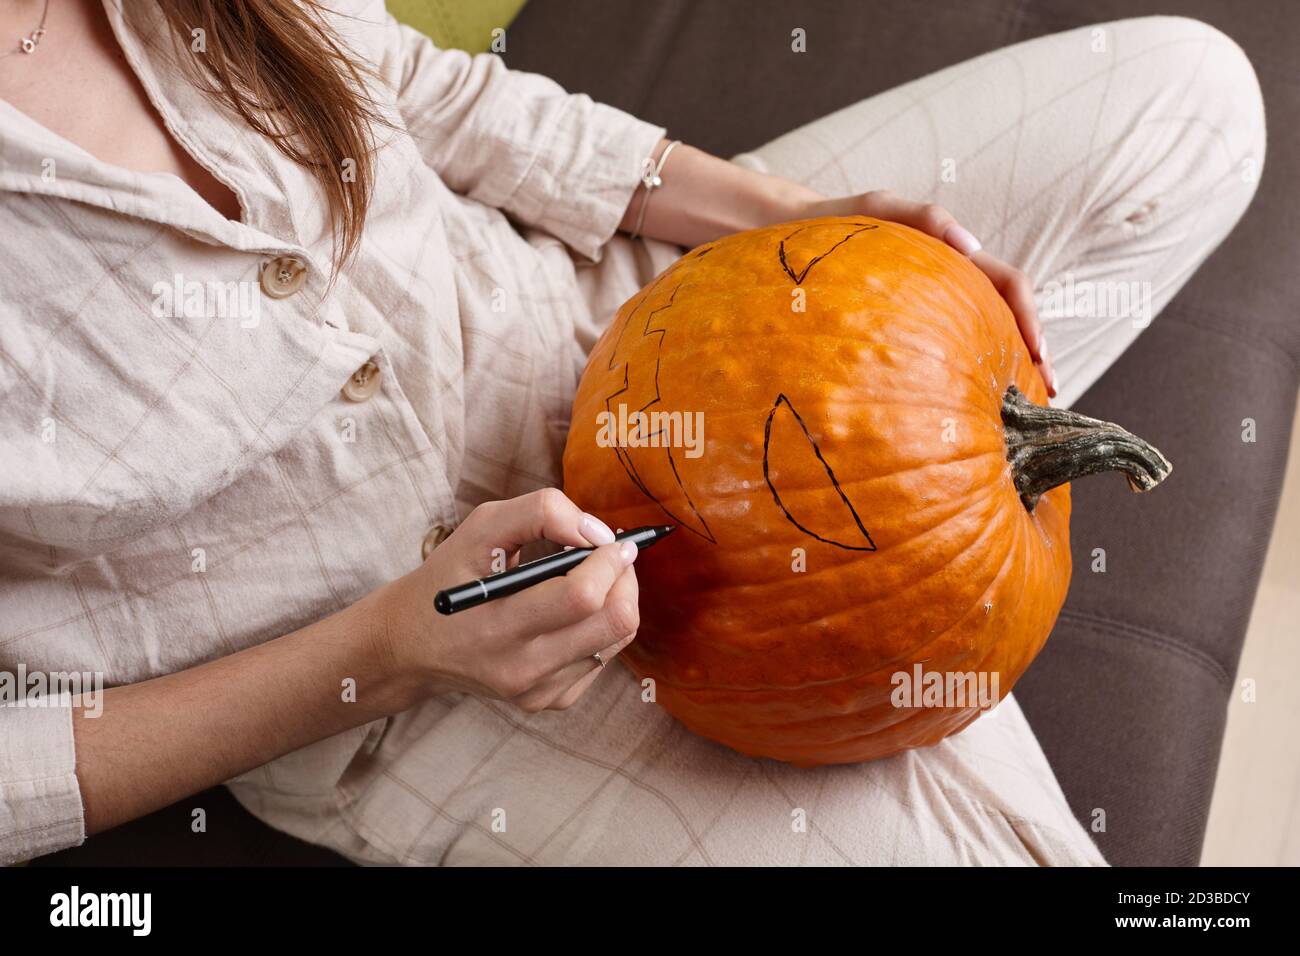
(1207,78)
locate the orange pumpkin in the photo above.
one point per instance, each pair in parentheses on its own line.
(842,419)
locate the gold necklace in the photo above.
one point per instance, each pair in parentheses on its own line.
(28,43)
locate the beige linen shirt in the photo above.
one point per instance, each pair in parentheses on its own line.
(183,476)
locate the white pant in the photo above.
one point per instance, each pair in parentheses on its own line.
(1096,158)
(1092,159)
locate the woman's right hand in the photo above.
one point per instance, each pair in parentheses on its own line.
(534,648)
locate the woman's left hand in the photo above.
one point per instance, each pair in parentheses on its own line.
(1013,284)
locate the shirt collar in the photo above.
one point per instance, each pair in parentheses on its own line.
(34,159)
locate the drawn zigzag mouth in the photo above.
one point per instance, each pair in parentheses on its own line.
(690,519)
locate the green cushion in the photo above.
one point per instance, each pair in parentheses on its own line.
(455,23)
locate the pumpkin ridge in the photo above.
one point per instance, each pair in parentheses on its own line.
(972,308)
(1021,531)
(801,335)
(924,405)
(969,503)
(940,360)
(909,655)
(915,651)
(965,459)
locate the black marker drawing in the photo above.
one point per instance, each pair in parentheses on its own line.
(640,384)
(835,230)
(783,402)
(649,391)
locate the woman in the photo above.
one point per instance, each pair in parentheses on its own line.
(289,295)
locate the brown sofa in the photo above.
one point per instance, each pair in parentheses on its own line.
(1129,697)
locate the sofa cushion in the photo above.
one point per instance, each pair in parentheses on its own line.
(454,24)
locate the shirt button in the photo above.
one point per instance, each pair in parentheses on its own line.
(284,276)
(363,383)
(436,536)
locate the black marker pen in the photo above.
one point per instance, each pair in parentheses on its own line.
(473,593)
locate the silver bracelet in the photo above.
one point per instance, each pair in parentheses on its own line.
(651,179)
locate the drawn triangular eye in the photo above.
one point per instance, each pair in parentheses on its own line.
(808,245)
(804,485)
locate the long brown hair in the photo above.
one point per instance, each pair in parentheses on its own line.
(279,65)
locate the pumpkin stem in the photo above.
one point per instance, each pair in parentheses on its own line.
(1050,446)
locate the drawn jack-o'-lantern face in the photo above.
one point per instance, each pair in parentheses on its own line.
(655,437)
(821,406)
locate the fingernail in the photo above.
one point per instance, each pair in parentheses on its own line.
(960,239)
(1045,354)
(595,530)
(628,551)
